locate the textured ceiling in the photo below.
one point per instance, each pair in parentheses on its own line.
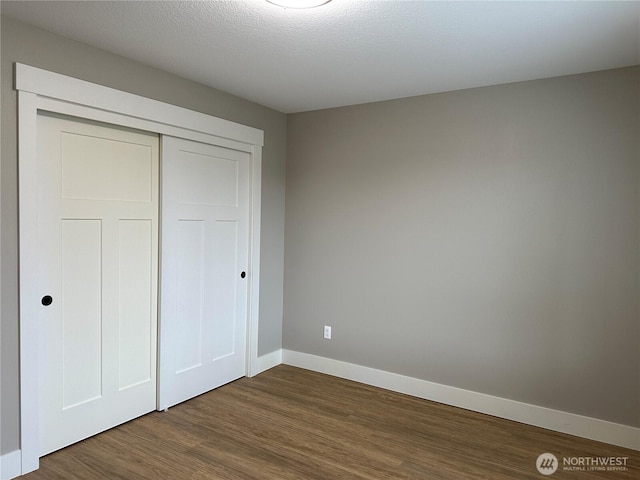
(350,51)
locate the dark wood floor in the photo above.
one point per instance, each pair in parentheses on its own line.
(289,423)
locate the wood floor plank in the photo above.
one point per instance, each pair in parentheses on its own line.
(289,423)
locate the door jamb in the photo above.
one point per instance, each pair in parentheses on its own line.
(43,90)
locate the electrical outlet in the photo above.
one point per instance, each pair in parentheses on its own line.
(327,332)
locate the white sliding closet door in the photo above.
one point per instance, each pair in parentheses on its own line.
(97,257)
(204,278)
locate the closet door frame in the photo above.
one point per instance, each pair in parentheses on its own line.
(41,90)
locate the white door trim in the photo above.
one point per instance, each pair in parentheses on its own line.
(43,90)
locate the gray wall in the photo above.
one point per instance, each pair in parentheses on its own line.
(32,46)
(486,239)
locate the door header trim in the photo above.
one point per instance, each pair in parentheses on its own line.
(61,87)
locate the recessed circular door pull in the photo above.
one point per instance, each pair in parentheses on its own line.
(243,274)
(47,300)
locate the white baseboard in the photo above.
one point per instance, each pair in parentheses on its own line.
(10,465)
(559,421)
(265,362)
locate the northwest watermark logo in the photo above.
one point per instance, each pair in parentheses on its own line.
(548,464)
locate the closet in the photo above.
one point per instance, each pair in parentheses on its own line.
(139,256)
